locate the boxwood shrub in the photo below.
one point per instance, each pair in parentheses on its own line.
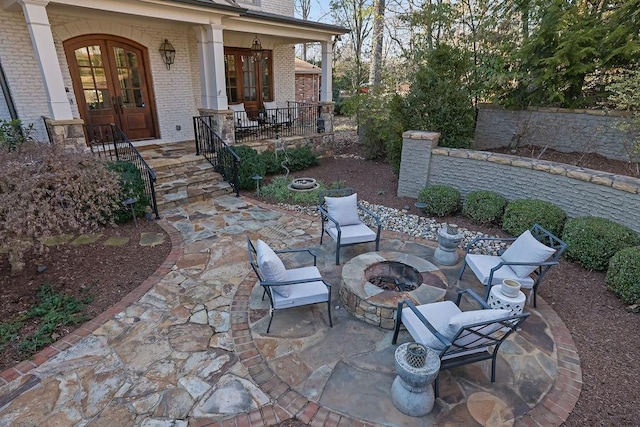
(296,159)
(623,276)
(131,185)
(484,207)
(441,200)
(250,164)
(521,215)
(592,241)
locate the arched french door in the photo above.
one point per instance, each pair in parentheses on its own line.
(112,84)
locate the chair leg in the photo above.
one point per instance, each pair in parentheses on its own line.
(270,320)
(337,253)
(493,367)
(436,385)
(397,328)
(464,266)
(329,311)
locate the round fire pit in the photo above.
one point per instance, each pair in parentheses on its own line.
(373,283)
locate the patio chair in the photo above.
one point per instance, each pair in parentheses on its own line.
(534,252)
(287,288)
(278,116)
(242,123)
(340,219)
(459,337)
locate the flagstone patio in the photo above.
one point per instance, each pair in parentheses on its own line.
(189,347)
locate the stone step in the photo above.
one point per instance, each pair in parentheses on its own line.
(183,171)
(189,181)
(193,194)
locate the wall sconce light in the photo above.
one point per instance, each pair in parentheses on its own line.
(256,47)
(168,53)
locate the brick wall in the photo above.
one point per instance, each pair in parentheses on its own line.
(307,88)
(578,191)
(284,73)
(22,72)
(559,129)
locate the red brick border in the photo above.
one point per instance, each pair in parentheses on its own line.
(22,368)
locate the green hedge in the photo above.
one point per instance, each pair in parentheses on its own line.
(592,241)
(623,276)
(484,207)
(521,215)
(250,164)
(440,200)
(132,185)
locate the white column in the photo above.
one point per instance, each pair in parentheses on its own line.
(211,58)
(326,86)
(35,14)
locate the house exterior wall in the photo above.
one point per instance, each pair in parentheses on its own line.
(4,108)
(176,93)
(307,88)
(22,72)
(284,73)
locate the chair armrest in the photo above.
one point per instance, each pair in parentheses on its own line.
(537,264)
(295,282)
(480,239)
(289,251)
(325,214)
(474,296)
(424,321)
(371,214)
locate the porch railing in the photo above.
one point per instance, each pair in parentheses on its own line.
(289,119)
(222,157)
(109,141)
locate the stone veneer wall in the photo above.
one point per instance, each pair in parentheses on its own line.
(580,192)
(560,129)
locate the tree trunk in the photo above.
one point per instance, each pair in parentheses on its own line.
(378,35)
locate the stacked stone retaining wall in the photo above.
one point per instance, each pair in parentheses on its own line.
(582,131)
(580,192)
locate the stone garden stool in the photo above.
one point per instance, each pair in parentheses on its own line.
(412,390)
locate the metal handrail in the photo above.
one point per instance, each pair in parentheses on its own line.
(224,160)
(110,141)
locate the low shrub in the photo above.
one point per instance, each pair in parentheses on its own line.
(295,159)
(623,276)
(132,186)
(484,207)
(441,200)
(47,190)
(250,164)
(521,215)
(592,241)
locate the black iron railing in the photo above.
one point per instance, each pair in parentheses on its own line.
(109,141)
(222,157)
(290,119)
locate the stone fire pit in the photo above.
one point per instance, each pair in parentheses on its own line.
(377,305)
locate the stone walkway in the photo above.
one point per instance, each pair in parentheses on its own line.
(188,347)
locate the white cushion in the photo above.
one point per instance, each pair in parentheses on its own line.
(272,267)
(303,293)
(237,107)
(343,209)
(526,248)
(438,314)
(481,266)
(349,234)
(447,319)
(270,105)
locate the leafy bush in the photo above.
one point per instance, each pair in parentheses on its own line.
(623,276)
(294,159)
(592,241)
(441,200)
(440,99)
(47,190)
(131,185)
(521,215)
(12,134)
(250,164)
(484,207)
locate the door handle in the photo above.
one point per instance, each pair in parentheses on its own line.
(121,105)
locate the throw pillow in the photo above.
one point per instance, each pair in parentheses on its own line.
(465,318)
(343,209)
(526,248)
(272,268)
